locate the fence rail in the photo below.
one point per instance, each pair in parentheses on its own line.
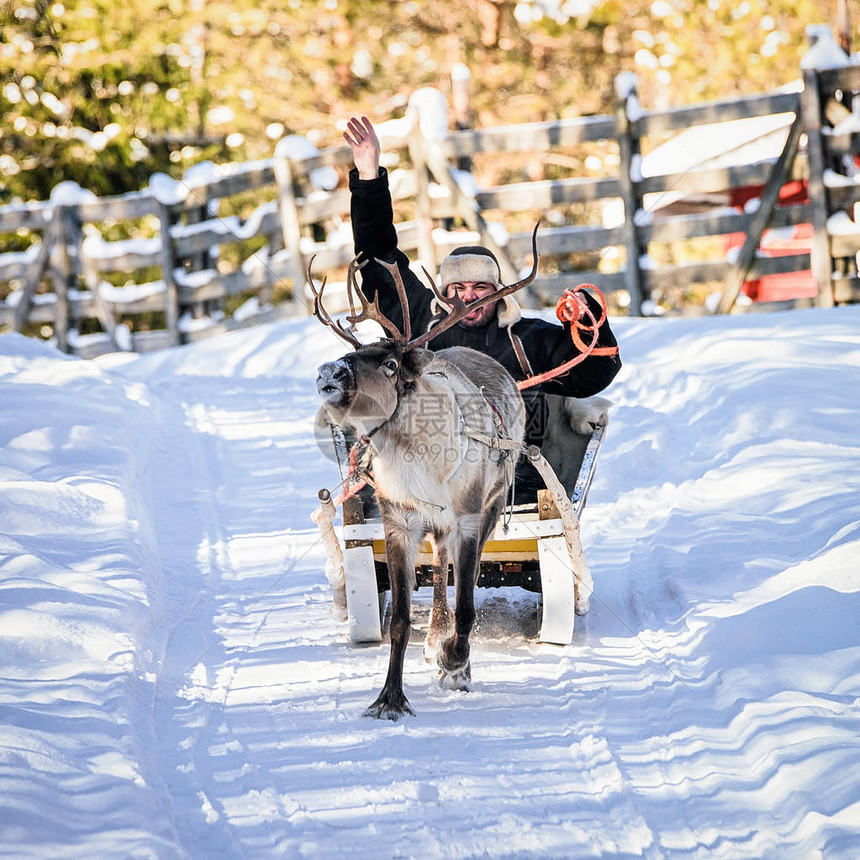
(228,246)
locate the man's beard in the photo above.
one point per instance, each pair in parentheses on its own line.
(481,322)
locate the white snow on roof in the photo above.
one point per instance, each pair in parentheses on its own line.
(721,144)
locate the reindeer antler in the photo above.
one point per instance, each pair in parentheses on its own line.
(370,310)
(323,315)
(460,309)
(394,270)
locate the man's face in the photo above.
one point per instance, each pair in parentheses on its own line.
(468,291)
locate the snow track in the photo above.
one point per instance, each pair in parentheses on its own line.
(174,685)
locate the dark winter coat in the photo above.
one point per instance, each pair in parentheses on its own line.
(546,345)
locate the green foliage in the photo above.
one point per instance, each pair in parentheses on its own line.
(107,93)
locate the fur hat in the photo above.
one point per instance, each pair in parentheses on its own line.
(476,264)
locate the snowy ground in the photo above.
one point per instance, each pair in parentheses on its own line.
(172,683)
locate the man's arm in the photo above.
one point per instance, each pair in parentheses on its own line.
(373,230)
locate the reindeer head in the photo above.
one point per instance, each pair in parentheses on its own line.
(363,388)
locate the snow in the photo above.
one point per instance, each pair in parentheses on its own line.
(228,225)
(173,684)
(840,224)
(69,193)
(626,84)
(96,247)
(296,146)
(832,179)
(851,123)
(431,109)
(720,144)
(460,72)
(824,52)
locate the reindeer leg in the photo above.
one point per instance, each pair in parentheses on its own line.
(402,534)
(454,660)
(441,620)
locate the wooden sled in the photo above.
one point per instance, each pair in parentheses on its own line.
(537,549)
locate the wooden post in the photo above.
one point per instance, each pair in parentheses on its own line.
(104,312)
(423,218)
(461,105)
(822,262)
(65,271)
(429,129)
(288,211)
(168,265)
(467,208)
(843,26)
(760,220)
(34,272)
(199,261)
(629,178)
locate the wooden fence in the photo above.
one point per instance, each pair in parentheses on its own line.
(227,246)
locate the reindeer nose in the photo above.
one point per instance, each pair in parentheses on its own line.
(333,377)
(334,370)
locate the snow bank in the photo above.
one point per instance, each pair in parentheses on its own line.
(79,590)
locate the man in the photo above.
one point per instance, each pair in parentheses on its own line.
(523,346)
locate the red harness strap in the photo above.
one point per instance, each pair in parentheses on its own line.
(570,310)
(353,482)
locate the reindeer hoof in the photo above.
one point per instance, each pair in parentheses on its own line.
(456,679)
(389,707)
(580,607)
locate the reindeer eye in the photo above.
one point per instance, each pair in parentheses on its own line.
(390,364)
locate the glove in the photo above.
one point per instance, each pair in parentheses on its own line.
(571,307)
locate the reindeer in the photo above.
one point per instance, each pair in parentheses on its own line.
(445,430)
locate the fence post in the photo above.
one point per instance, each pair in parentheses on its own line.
(629,178)
(288,212)
(822,262)
(92,282)
(461,103)
(427,108)
(65,270)
(168,265)
(429,130)
(35,270)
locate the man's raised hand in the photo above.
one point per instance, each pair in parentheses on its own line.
(362,140)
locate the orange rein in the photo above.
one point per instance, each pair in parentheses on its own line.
(568,309)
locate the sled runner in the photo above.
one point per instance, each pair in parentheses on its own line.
(535,546)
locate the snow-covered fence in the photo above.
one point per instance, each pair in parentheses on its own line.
(834,177)
(717,171)
(185,267)
(227,246)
